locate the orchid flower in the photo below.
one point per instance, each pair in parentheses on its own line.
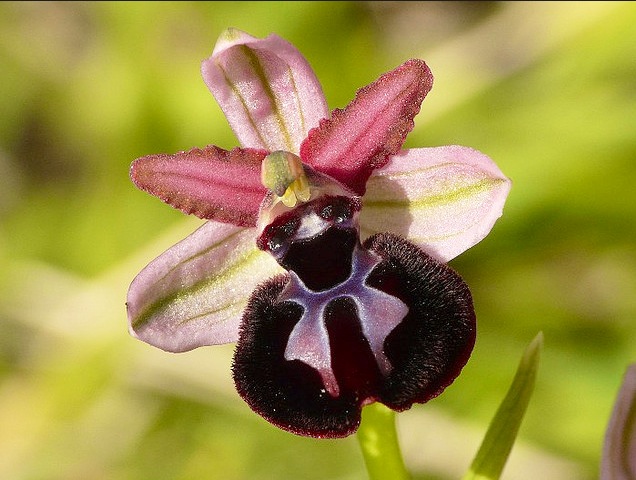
(324,247)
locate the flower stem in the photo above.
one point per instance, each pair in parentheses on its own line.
(379,443)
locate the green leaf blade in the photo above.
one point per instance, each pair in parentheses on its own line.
(502,432)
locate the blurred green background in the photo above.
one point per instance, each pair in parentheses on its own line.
(547,89)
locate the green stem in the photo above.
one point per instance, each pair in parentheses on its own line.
(379,443)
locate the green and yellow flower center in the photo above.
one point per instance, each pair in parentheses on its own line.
(283,173)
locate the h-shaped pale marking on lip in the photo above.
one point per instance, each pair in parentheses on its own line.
(379,313)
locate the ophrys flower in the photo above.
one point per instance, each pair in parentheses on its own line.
(304,260)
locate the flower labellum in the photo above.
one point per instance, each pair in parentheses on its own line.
(323,255)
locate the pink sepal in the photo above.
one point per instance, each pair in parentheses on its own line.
(194,293)
(267,90)
(444,199)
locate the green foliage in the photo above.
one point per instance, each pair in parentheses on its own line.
(502,431)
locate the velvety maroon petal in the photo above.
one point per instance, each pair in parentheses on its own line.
(289,394)
(423,348)
(429,348)
(211,183)
(359,138)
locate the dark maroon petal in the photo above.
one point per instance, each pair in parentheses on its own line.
(280,377)
(289,394)
(355,140)
(429,348)
(211,183)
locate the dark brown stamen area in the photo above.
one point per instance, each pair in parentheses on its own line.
(324,260)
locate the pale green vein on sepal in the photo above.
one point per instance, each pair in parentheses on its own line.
(238,309)
(259,72)
(301,112)
(452,196)
(191,291)
(242,100)
(502,432)
(205,251)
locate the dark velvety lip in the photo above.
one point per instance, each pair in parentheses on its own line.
(427,348)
